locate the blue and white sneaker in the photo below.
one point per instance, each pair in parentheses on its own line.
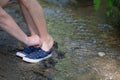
(38,55)
(25,51)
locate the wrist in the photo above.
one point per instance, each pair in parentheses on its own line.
(27,41)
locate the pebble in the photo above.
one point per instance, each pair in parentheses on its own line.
(101,54)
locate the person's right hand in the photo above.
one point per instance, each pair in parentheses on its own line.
(34,40)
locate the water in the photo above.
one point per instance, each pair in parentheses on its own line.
(81,35)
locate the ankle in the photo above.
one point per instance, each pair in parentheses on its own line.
(47,38)
(47,43)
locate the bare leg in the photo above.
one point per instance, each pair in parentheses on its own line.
(29,21)
(37,15)
(9,25)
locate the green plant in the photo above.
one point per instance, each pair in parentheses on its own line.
(96,4)
(109,3)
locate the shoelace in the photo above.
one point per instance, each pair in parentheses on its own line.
(28,49)
(38,53)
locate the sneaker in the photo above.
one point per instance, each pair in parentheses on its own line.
(25,51)
(38,55)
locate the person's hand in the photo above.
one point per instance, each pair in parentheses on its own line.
(34,40)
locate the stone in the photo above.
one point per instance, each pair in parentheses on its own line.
(101,54)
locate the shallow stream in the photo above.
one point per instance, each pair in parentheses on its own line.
(89,47)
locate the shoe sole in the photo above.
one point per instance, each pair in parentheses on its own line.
(20,54)
(35,60)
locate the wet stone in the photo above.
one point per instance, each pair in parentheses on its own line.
(82,70)
(69,20)
(101,54)
(73,43)
(49,11)
(58,11)
(105,26)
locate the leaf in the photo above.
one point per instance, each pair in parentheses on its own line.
(109,12)
(110,3)
(117,10)
(97,4)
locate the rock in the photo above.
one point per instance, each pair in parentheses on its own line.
(105,27)
(101,54)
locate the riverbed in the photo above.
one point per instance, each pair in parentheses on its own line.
(88,47)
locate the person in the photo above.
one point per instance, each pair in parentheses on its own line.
(40,43)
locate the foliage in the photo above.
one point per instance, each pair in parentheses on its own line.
(96,4)
(109,3)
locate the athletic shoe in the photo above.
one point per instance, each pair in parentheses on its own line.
(25,51)
(38,55)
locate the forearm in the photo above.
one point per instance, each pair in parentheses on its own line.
(9,25)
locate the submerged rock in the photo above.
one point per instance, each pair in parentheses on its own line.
(101,54)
